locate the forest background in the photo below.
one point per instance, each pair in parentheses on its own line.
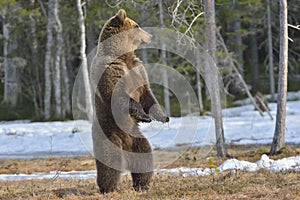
(26,51)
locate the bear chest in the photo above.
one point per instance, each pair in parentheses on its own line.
(135,83)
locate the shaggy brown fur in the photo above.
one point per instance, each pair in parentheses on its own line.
(122,99)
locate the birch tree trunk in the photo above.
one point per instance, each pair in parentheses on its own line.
(270,45)
(164,61)
(84,67)
(279,135)
(48,58)
(212,77)
(57,78)
(66,108)
(12,64)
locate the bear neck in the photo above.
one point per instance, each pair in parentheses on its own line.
(128,58)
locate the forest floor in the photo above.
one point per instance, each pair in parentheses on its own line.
(262,184)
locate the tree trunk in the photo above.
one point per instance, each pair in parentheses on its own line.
(235,38)
(12,83)
(35,79)
(165,81)
(5,59)
(48,57)
(91,38)
(199,88)
(66,91)
(57,78)
(164,61)
(254,58)
(199,92)
(270,44)
(279,140)
(84,65)
(211,74)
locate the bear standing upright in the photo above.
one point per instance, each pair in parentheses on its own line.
(122,99)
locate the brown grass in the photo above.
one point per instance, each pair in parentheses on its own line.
(223,185)
(27,166)
(242,185)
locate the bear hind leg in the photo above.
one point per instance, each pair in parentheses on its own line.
(141,181)
(141,164)
(107,178)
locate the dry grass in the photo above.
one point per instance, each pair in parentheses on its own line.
(242,185)
(27,166)
(224,185)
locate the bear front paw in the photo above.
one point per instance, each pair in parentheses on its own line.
(136,111)
(157,114)
(163,119)
(142,118)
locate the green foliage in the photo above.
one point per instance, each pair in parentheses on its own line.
(211,165)
(5,5)
(22,15)
(210,162)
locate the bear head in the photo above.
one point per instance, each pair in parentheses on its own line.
(121,34)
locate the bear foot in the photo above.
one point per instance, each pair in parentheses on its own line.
(140,188)
(104,191)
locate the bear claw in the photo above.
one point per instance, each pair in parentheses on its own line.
(141,188)
(145,118)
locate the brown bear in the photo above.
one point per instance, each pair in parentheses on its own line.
(123,98)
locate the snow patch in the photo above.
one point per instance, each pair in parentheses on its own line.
(291,163)
(88,174)
(242,125)
(236,164)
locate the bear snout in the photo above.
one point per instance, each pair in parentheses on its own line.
(146,37)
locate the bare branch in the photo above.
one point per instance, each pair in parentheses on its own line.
(43,8)
(191,24)
(181,15)
(175,11)
(115,5)
(262,103)
(236,71)
(297,27)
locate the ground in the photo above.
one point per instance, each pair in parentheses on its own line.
(262,184)
(243,127)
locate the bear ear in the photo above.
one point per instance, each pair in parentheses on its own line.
(119,18)
(121,15)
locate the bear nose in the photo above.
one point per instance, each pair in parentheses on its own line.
(150,38)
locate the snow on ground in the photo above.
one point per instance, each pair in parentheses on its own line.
(83,175)
(39,139)
(291,163)
(242,125)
